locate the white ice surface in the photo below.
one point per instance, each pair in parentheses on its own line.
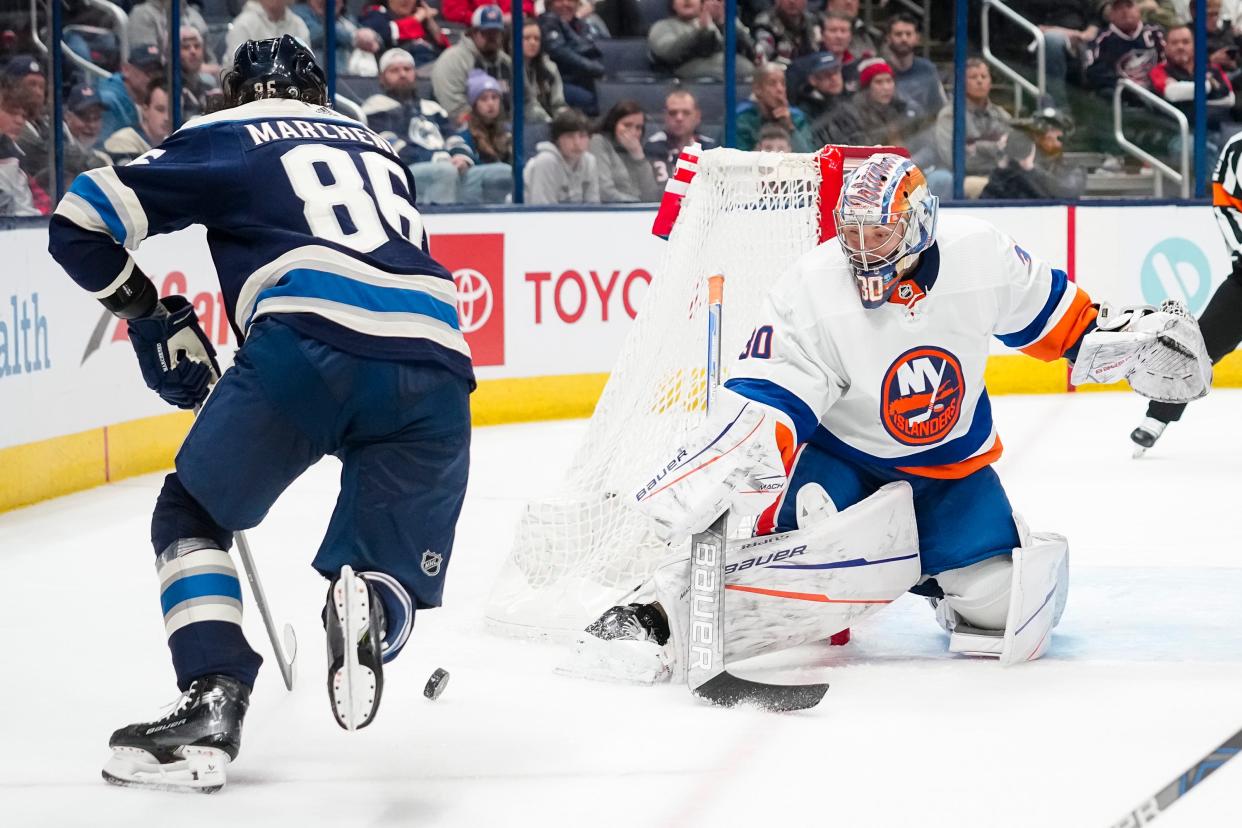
(1144,675)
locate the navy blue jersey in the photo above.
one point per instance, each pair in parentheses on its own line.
(309,216)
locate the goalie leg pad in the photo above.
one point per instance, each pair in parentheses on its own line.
(803,586)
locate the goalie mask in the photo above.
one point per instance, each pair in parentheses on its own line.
(885,218)
(280,67)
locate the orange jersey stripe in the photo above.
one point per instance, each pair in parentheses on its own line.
(1078,316)
(801,596)
(1221,198)
(956,471)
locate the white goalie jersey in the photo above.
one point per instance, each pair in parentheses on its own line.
(902,385)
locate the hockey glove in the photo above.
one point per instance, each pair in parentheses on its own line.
(1160,352)
(731,461)
(176,357)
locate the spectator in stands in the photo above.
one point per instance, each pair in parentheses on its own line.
(595,24)
(774,138)
(416,128)
(918,81)
(563,171)
(487,142)
(26,85)
(624,18)
(861,42)
(260,20)
(24,74)
(545,94)
(351,36)
(877,114)
(154,125)
(769,104)
(462,11)
(478,48)
(570,44)
(16,193)
(1174,80)
(786,31)
(406,24)
(837,33)
(83,120)
(1048,128)
(1223,40)
(821,94)
(122,91)
(148,23)
(1013,177)
(1069,26)
(681,124)
(196,83)
(987,125)
(625,175)
(1162,13)
(1128,48)
(690,44)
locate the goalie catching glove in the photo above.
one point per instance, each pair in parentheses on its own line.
(732,461)
(1160,352)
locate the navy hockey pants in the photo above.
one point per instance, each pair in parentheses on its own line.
(400,429)
(960,522)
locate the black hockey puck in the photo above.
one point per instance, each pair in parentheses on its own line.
(436,684)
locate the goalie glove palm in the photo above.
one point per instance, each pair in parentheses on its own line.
(732,461)
(1160,352)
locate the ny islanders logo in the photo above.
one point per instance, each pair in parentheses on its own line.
(921,399)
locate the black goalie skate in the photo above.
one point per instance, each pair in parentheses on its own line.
(632,622)
(624,644)
(188,749)
(1146,435)
(354,623)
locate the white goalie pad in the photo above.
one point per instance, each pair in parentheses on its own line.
(1037,592)
(1160,352)
(803,586)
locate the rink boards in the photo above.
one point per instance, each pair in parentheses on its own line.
(545,299)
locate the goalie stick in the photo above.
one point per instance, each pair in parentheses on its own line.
(706,672)
(1151,808)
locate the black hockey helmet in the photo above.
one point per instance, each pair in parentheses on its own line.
(280,67)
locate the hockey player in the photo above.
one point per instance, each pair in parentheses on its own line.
(350,346)
(856,418)
(1221,321)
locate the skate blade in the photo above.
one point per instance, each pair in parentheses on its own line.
(353,684)
(200,770)
(1138,452)
(623,662)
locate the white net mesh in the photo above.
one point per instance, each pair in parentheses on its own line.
(746,215)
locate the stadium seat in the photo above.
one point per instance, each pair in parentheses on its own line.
(653,10)
(533,134)
(626,57)
(649,94)
(711,99)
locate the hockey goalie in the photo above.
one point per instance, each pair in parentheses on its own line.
(856,425)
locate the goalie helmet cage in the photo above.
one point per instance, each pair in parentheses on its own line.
(748,216)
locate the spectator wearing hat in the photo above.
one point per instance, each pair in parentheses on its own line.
(124,90)
(24,75)
(877,114)
(563,171)
(545,92)
(154,125)
(83,122)
(197,84)
(26,86)
(462,11)
(987,125)
(1048,128)
(351,36)
(819,88)
(17,189)
(681,129)
(625,174)
(570,43)
(1128,48)
(690,44)
(487,142)
(406,24)
(261,20)
(1014,176)
(479,47)
(769,104)
(786,31)
(918,81)
(418,129)
(148,23)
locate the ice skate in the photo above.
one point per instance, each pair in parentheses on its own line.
(354,623)
(188,749)
(1146,435)
(624,644)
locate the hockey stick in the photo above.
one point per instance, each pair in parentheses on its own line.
(1179,787)
(706,674)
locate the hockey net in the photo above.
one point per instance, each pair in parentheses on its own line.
(746,215)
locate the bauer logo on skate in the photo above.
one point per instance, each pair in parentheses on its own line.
(921,398)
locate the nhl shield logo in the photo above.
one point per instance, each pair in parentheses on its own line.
(431,563)
(921,399)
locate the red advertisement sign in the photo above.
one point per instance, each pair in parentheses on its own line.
(477,262)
